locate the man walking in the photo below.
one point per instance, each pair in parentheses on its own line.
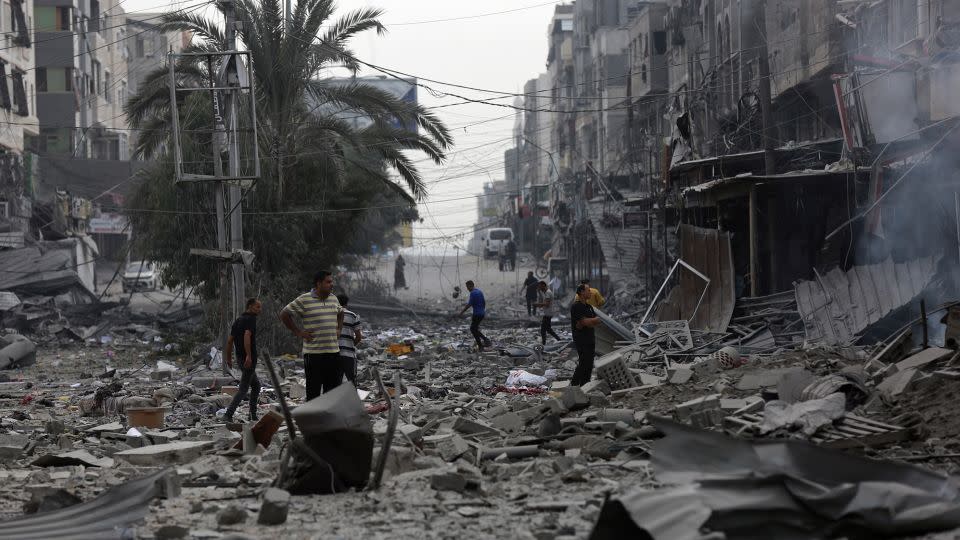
(583,320)
(594,298)
(530,286)
(546,303)
(243,333)
(321,318)
(479,305)
(350,337)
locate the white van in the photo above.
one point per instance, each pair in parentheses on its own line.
(494,239)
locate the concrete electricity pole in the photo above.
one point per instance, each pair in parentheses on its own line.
(236,214)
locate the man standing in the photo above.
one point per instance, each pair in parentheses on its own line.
(594,298)
(244,334)
(479,305)
(530,286)
(583,320)
(546,302)
(399,279)
(350,336)
(512,255)
(322,318)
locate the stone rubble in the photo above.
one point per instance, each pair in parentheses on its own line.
(470,453)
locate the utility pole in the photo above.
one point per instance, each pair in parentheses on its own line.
(236,213)
(230,80)
(767,139)
(84,86)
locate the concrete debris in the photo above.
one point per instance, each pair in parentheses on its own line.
(474,440)
(164,454)
(231,515)
(274,508)
(805,416)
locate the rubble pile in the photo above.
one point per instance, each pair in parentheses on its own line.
(498,443)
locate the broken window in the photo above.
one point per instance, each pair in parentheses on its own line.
(20,94)
(4,90)
(19,22)
(94,23)
(660,42)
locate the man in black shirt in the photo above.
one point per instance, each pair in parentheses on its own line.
(530,288)
(583,320)
(243,333)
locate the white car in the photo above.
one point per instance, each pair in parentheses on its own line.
(495,239)
(140,276)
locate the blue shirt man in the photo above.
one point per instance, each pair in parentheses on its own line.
(479,305)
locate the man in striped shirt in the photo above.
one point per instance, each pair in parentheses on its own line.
(350,337)
(321,319)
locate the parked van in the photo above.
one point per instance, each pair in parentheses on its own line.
(494,239)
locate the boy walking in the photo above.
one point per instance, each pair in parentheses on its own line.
(546,304)
(479,305)
(350,337)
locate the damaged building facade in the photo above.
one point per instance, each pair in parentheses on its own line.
(813,135)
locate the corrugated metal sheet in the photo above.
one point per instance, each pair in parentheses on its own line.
(707,250)
(840,305)
(108,516)
(621,246)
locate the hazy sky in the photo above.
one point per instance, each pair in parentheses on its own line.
(481,49)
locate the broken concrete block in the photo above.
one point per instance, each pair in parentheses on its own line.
(924,357)
(44,498)
(947,374)
(684,410)
(452,448)
(617,415)
(164,454)
(897,383)
(549,426)
(471,427)
(448,481)
(730,405)
(297,391)
(264,430)
(77,457)
(559,385)
(411,431)
(598,385)
(164,375)
(171,532)
(706,418)
(598,400)
(508,423)
(276,504)
(231,515)
(112,427)
(679,375)
(574,398)
(55,427)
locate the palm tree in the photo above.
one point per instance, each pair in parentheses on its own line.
(286,64)
(310,156)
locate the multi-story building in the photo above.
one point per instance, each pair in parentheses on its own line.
(81,78)
(18,120)
(147,48)
(741,116)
